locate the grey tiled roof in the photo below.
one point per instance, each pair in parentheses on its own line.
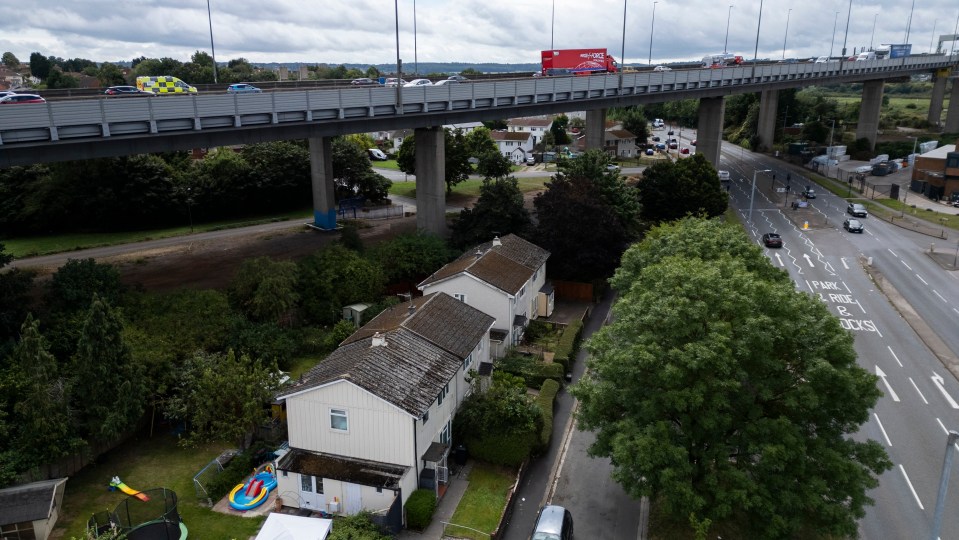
(422,352)
(506,266)
(28,502)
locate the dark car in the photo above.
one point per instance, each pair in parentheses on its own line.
(856,210)
(670,132)
(126,91)
(15,99)
(650,151)
(656,138)
(772,240)
(809,193)
(852,225)
(660,146)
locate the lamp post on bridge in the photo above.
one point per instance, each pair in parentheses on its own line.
(652,28)
(209,16)
(726,42)
(786,35)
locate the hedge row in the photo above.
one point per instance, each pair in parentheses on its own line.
(568,344)
(419,509)
(503,449)
(531,369)
(547,396)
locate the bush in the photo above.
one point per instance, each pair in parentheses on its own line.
(419,509)
(357,527)
(568,344)
(509,450)
(545,401)
(234,473)
(538,329)
(531,369)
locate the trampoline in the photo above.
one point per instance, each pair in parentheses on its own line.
(154,519)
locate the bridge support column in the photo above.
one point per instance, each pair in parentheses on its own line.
(710,128)
(952,115)
(768,105)
(938,93)
(595,129)
(321,173)
(431,180)
(869,112)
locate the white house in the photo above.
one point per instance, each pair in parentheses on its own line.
(398,136)
(30,511)
(505,278)
(515,145)
(465,127)
(371,423)
(535,126)
(620,142)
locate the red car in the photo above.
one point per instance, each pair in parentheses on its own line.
(21,98)
(684,151)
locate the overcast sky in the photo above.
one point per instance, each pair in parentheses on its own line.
(500,31)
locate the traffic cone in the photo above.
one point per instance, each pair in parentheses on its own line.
(805,225)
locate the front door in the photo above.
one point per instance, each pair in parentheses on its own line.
(311,492)
(354,499)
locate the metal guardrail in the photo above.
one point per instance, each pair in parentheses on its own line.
(41,128)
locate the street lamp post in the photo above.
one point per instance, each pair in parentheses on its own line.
(652,27)
(833,42)
(943,485)
(552,25)
(909,24)
(790,12)
(752,194)
(416,65)
(728,15)
(622,55)
(189,206)
(874,19)
(846,35)
(209,16)
(933,38)
(759,24)
(399,73)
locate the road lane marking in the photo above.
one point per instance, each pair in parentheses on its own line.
(893,253)
(882,375)
(943,426)
(912,489)
(883,430)
(780,259)
(938,381)
(922,280)
(940,296)
(848,290)
(843,261)
(956,310)
(808,260)
(894,355)
(906,265)
(918,391)
(860,307)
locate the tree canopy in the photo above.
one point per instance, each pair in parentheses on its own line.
(727,396)
(498,212)
(457,165)
(670,190)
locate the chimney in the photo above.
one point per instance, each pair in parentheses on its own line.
(478,253)
(378,340)
(412,309)
(496,241)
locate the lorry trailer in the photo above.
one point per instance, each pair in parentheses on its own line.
(577,62)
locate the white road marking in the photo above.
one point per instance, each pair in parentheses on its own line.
(918,391)
(956,310)
(940,296)
(938,381)
(808,260)
(943,426)
(843,261)
(860,306)
(893,252)
(892,393)
(883,430)
(894,355)
(906,265)
(912,489)
(848,290)
(922,280)
(780,259)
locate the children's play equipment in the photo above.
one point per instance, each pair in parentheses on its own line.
(115,483)
(154,517)
(254,491)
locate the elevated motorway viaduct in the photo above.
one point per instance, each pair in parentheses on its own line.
(72,129)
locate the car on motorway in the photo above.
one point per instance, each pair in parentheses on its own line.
(852,225)
(809,193)
(856,210)
(392,82)
(418,82)
(126,91)
(553,523)
(822,60)
(457,78)
(242,88)
(662,68)
(363,81)
(446,82)
(723,176)
(14,99)
(772,240)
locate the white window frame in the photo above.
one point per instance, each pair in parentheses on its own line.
(460,296)
(339,413)
(468,361)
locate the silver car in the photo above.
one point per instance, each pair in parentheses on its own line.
(553,523)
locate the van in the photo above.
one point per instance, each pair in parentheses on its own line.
(164,84)
(377,154)
(866,55)
(658,123)
(553,523)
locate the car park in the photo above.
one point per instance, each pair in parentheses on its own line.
(243,88)
(662,68)
(15,99)
(809,193)
(856,210)
(772,240)
(126,91)
(852,225)
(418,82)
(363,81)
(553,523)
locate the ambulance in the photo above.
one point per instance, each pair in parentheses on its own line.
(164,84)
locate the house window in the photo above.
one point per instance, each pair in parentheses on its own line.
(522,292)
(460,296)
(319,485)
(467,362)
(426,417)
(339,420)
(445,434)
(443,392)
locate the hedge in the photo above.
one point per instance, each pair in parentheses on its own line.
(531,368)
(509,449)
(568,344)
(419,509)
(546,399)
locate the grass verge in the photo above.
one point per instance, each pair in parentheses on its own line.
(145,463)
(468,188)
(483,503)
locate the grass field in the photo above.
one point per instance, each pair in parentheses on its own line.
(899,106)
(483,503)
(469,189)
(143,464)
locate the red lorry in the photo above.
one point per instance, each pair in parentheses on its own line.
(578,62)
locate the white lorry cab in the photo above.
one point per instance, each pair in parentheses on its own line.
(164,84)
(866,55)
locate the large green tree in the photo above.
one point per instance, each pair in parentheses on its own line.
(10,60)
(457,165)
(729,397)
(411,256)
(15,287)
(498,211)
(107,387)
(671,190)
(264,289)
(336,277)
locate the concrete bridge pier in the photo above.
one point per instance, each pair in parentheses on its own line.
(869,111)
(768,105)
(938,93)
(710,128)
(595,129)
(431,179)
(321,173)
(952,115)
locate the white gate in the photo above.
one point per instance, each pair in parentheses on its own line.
(353,499)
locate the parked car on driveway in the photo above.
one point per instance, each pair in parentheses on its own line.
(418,82)
(243,88)
(772,240)
(650,151)
(856,210)
(852,225)
(15,99)
(553,523)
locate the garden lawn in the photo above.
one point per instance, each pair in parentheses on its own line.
(469,188)
(483,503)
(145,463)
